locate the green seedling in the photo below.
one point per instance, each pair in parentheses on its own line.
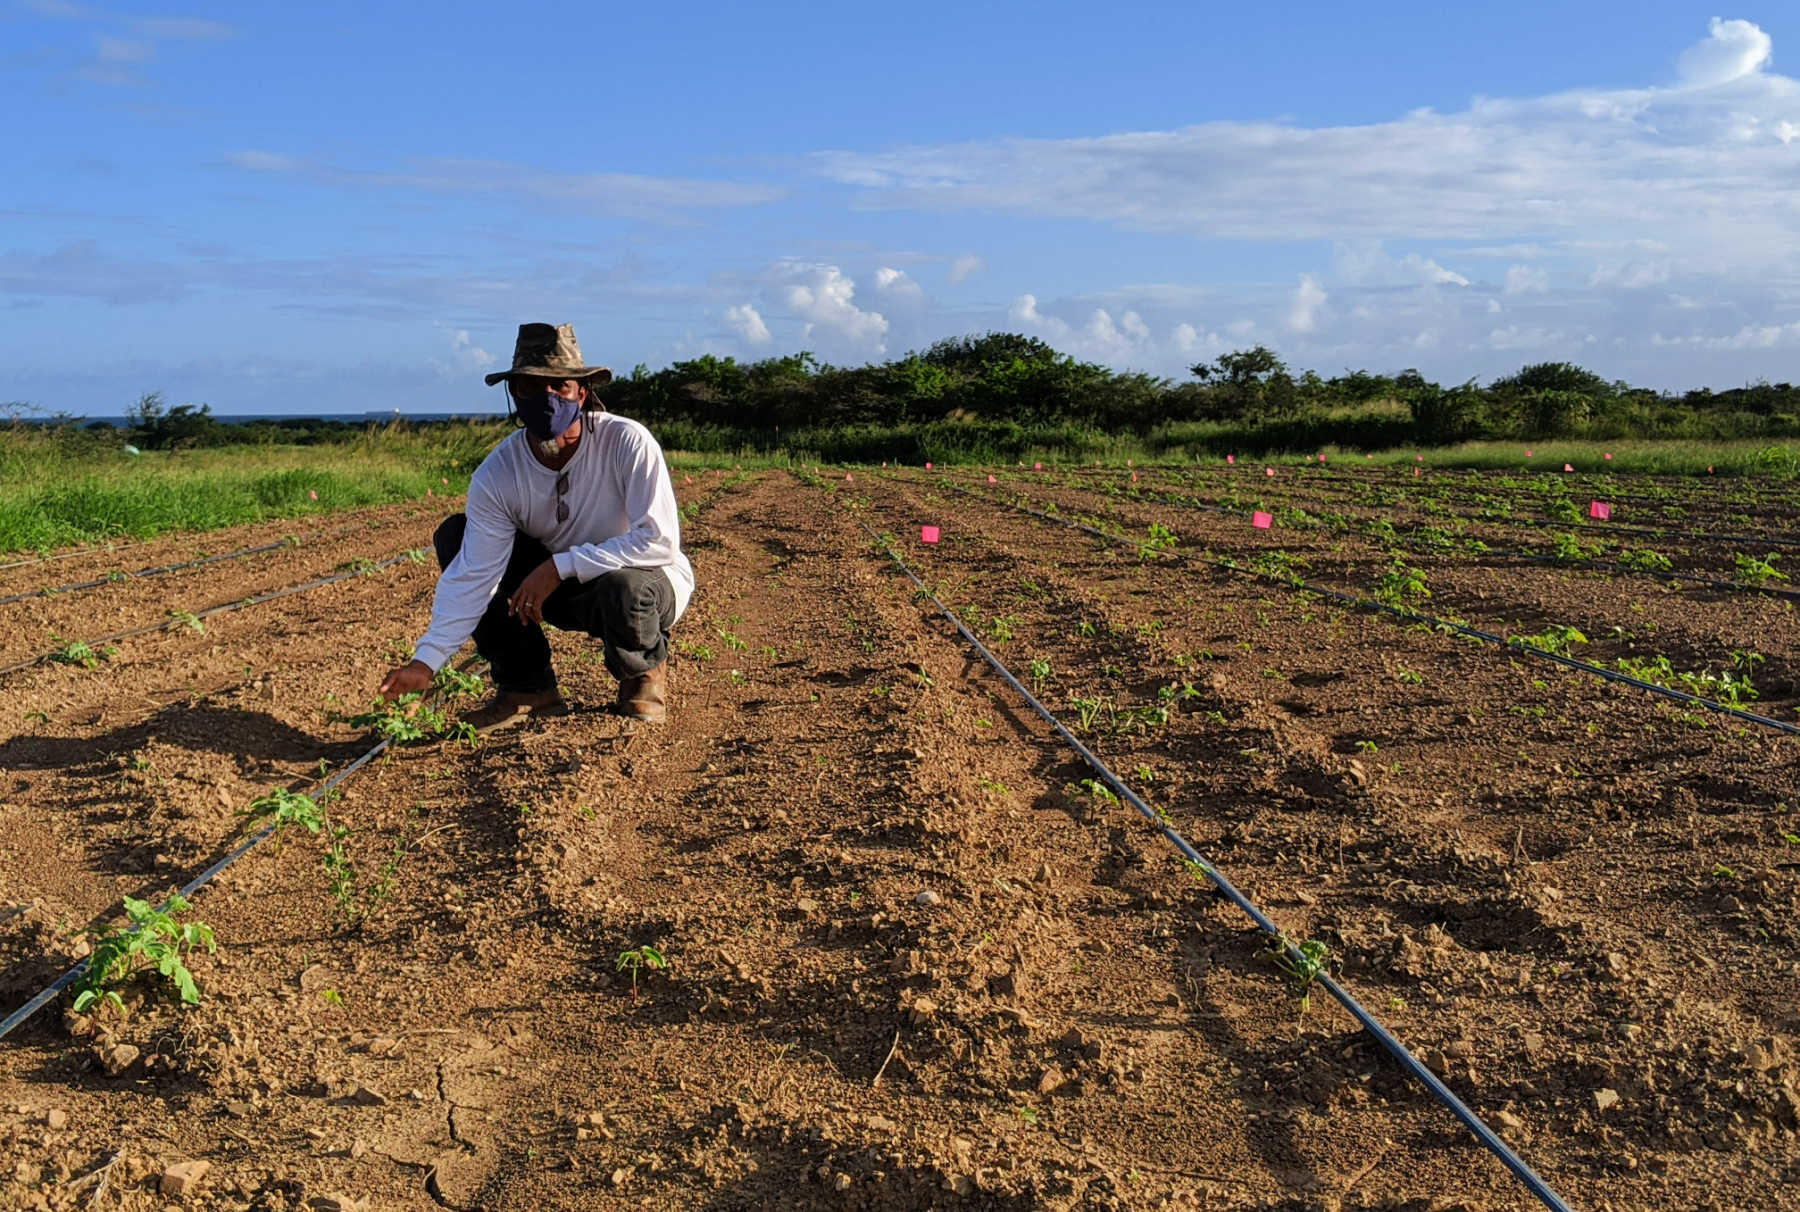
(359,564)
(1400,585)
(416,555)
(1555,639)
(407,718)
(80,652)
(1000,629)
(1368,746)
(643,956)
(1302,964)
(452,682)
(1098,793)
(1758,572)
(1642,559)
(1040,670)
(1085,628)
(288,808)
(1161,539)
(188,619)
(151,938)
(1410,678)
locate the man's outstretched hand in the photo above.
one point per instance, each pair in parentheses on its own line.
(414,675)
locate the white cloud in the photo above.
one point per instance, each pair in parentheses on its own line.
(747,323)
(963,266)
(468,354)
(1705,166)
(1731,51)
(895,282)
(824,297)
(1526,279)
(1431,272)
(1304,304)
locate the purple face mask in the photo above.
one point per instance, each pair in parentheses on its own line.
(550,418)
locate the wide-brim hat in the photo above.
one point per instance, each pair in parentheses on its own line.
(550,351)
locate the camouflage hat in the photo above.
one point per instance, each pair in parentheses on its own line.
(549,351)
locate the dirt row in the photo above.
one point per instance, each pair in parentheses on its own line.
(913,963)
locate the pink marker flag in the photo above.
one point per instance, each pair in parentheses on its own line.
(992,480)
(1134,477)
(1321,458)
(428,492)
(927,464)
(1037,467)
(1268,471)
(1130,463)
(1608,455)
(848,479)
(1231,458)
(1528,454)
(1709,470)
(1600,510)
(1368,456)
(443,479)
(928,534)
(687,479)
(1418,458)
(313,494)
(1418,471)
(1566,467)
(1261,520)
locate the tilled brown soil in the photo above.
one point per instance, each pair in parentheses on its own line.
(914,962)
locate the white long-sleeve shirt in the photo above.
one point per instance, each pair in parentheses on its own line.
(622,514)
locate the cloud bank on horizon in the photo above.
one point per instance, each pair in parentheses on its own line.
(1650,232)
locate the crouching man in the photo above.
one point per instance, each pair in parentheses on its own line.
(571,521)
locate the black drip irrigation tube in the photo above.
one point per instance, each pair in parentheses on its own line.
(115,578)
(1413,616)
(50,992)
(1342,996)
(1672,577)
(257,600)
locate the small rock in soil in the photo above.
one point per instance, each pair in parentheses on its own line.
(927,898)
(183,1178)
(116,1059)
(923,1010)
(1606,1098)
(56,1120)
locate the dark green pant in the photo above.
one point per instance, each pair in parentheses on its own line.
(629,610)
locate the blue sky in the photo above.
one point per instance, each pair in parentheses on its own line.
(337,207)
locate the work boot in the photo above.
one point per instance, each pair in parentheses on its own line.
(641,698)
(508,707)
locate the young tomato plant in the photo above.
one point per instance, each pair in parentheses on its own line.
(152,938)
(642,956)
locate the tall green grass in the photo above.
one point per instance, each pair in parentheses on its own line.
(68,487)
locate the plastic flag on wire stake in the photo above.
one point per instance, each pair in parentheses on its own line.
(1600,510)
(928,534)
(1261,520)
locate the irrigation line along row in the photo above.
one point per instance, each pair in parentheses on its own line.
(1413,616)
(117,577)
(48,994)
(1343,997)
(1678,578)
(170,624)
